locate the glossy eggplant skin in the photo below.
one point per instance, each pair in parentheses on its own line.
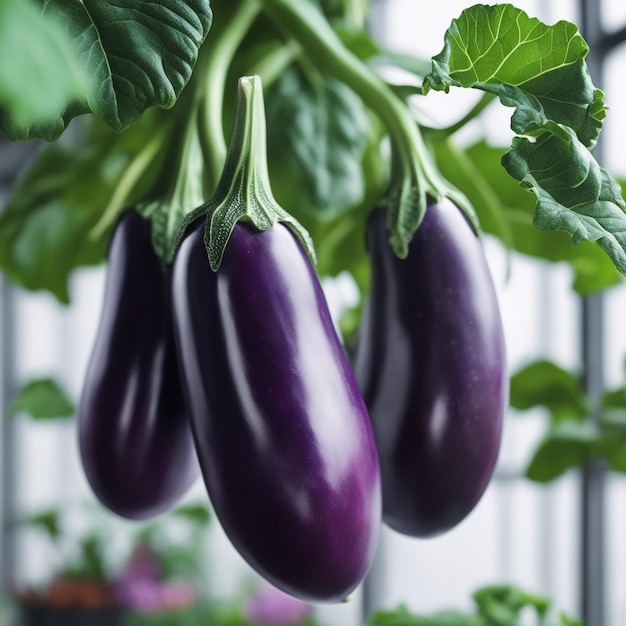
(431,363)
(282,433)
(134,434)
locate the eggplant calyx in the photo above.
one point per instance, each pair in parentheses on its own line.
(244,191)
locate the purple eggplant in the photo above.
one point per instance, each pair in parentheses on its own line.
(135,439)
(282,433)
(430,360)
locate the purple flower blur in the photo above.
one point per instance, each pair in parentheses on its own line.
(149,596)
(272,607)
(139,586)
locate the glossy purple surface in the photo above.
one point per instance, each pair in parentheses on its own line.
(282,432)
(135,440)
(431,363)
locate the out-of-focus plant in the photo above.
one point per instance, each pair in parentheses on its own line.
(268,606)
(500,605)
(580,430)
(161,573)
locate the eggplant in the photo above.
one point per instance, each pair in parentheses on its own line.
(283,437)
(134,435)
(430,360)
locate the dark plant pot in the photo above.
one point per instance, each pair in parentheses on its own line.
(37,615)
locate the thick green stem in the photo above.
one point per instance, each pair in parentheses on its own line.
(274,63)
(474,112)
(244,190)
(413,175)
(223,46)
(135,170)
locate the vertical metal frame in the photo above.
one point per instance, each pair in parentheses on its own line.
(593,562)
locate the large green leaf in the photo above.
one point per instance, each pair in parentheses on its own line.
(536,68)
(139,54)
(317,133)
(540,71)
(39,73)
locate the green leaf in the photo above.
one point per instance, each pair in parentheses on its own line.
(505,210)
(538,69)
(46,229)
(198,514)
(139,55)
(611,446)
(90,564)
(569,444)
(501,605)
(402,617)
(42,399)
(573,192)
(48,521)
(564,620)
(543,383)
(39,74)
(317,133)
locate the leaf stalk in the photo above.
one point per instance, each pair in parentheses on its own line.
(414,175)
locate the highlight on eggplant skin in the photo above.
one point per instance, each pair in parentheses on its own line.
(431,362)
(134,435)
(282,433)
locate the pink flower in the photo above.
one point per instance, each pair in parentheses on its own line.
(149,596)
(272,607)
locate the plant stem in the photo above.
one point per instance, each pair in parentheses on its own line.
(475,111)
(275,62)
(223,46)
(138,165)
(413,173)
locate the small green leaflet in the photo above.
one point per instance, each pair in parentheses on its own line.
(139,54)
(39,73)
(567,445)
(48,521)
(502,604)
(544,383)
(540,71)
(42,399)
(198,514)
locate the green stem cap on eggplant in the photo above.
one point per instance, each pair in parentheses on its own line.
(244,191)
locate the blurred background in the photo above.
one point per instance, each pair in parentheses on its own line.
(555,530)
